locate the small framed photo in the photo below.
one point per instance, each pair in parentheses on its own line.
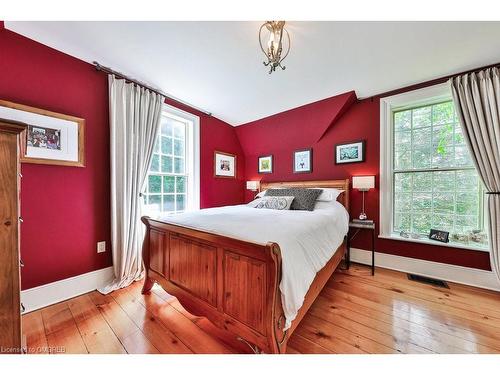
(224,165)
(353,152)
(439,235)
(302,161)
(50,138)
(266,164)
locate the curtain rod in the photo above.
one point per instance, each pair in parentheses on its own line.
(105,69)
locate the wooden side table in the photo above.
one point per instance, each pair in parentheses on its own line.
(359,227)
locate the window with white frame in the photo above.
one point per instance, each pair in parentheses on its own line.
(428,179)
(172,184)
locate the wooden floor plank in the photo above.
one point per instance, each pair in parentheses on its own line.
(97,335)
(302,345)
(33,329)
(188,332)
(156,332)
(483,324)
(355,313)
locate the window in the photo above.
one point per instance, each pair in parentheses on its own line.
(172,184)
(428,179)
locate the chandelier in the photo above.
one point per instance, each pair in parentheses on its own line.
(276,39)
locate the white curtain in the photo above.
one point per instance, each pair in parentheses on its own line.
(477,102)
(134,121)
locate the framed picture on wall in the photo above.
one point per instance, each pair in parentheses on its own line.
(302,161)
(353,152)
(265,164)
(50,138)
(224,165)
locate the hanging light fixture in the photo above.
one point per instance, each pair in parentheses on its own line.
(276,40)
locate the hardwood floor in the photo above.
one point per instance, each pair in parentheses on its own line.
(355,313)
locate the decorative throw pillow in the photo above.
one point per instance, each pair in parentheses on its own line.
(305,199)
(272,203)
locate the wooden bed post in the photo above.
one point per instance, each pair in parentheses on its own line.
(148,283)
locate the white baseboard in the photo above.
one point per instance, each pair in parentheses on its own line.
(48,294)
(457,274)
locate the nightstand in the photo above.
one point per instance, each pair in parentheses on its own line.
(359,227)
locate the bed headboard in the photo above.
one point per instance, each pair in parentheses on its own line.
(337,184)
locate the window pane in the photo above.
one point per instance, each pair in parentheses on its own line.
(462,157)
(403,201)
(168,203)
(402,138)
(443,113)
(444,181)
(179,165)
(402,158)
(422,181)
(179,129)
(166,164)
(421,223)
(467,180)
(166,145)
(155,163)
(422,137)
(402,221)
(443,222)
(467,203)
(181,184)
(157,146)
(421,157)
(180,200)
(444,203)
(443,157)
(402,182)
(179,147)
(422,201)
(402,120)
(154,184)
(421,117)
(168,184)
(167,128)
(154,202)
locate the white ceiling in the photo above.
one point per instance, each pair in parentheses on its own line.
(217,66)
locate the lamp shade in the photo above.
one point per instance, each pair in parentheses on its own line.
(253,185)
(363,182)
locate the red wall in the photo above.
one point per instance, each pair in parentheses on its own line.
(66,210)
(285,132)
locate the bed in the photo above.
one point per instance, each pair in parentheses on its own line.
(238,265)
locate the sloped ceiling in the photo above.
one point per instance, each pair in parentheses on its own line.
(218,66)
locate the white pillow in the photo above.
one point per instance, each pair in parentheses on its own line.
(273,203)
(261,194)
(328,194)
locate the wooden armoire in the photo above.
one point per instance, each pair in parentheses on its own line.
(10,291)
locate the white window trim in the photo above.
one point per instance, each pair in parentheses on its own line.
(388,105)
(192,153)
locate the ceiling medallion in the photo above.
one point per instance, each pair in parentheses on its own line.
(276,39)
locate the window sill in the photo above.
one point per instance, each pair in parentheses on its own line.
(427,241)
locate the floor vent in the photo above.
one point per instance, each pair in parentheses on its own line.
(428,280)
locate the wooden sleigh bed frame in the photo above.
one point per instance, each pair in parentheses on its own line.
(234,283)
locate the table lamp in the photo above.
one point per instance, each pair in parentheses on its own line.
(363,183)
(253,185)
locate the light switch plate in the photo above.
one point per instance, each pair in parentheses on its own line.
(101,247)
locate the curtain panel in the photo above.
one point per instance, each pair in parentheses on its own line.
(135,114)
(477,101)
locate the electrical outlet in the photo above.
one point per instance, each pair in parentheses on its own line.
(101,247)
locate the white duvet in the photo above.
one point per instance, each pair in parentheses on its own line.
(307,239)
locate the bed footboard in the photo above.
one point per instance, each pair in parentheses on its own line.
(235,284)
